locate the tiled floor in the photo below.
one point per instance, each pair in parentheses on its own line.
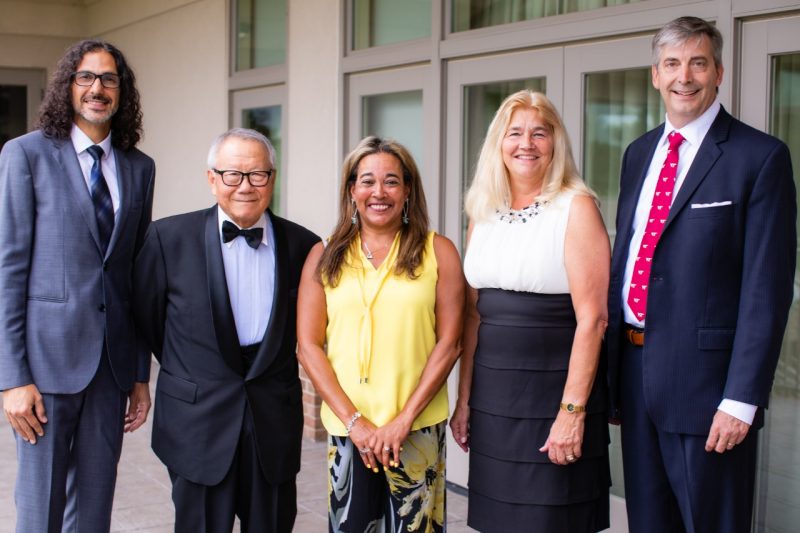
(142,502)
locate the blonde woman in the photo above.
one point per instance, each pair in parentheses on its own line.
(379,322)
(529,408)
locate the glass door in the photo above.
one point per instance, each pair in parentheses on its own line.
(770,101)
(396,104)
(611,102)
(261,109)
(21,93)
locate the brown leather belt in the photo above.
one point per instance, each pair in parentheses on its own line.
(635,336)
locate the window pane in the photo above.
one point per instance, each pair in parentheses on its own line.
(784,120)
(396,116)
(472,14)
(267,120)
(480,105)
(260,33)
(378,22)
(13,109)
(779,468)
(619,107)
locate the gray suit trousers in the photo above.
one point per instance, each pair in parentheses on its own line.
(78,455)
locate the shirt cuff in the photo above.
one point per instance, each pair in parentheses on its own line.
(743,411)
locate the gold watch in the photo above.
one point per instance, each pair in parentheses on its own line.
(572,408)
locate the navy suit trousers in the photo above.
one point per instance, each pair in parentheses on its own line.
(671,483)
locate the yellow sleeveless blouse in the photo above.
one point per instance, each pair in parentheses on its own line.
(381,331)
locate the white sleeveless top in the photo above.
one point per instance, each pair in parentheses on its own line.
(521,250)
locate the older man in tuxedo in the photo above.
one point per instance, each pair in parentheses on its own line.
(700,290)
(215,297)
(75,202)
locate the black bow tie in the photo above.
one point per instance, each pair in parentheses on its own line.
(253,236)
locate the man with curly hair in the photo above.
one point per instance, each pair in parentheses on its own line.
(75,202)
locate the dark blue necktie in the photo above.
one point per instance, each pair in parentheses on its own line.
(103,208)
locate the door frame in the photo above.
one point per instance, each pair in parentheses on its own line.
(35,81)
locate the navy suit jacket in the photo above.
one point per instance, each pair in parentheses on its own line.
(183,310)
(721,278)
(61,298)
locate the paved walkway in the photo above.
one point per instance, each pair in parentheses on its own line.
(142,502)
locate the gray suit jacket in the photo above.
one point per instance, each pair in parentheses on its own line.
(60,298)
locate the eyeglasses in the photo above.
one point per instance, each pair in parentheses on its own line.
(234,178)
(84,78)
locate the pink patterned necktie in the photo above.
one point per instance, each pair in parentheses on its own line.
(659,211)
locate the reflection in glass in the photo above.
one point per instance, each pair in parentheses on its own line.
(267,120)
(472,14)
(13,109)
(480,104)
(260,33)
(396,116)
(379,22)
(779,469)
(619,106)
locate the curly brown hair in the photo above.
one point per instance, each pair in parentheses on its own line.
(56,114)
(412,235)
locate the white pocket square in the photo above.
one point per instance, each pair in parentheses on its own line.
(712,204)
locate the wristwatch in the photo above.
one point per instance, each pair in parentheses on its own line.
(572,408)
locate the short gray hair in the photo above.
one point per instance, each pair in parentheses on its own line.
(239,133)
(680,30)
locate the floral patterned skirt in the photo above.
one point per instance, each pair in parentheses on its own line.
(410,497)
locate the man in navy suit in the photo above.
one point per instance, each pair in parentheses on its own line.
(701,285)
(75,203)
(216,299)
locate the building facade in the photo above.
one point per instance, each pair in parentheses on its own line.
(317,75)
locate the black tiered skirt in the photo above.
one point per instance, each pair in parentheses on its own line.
(521,364)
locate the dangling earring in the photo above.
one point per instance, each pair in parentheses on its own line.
(405,212)
(354,218)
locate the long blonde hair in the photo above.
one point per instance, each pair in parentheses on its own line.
(490,189)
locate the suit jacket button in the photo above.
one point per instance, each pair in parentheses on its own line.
(101,308)
(105,267)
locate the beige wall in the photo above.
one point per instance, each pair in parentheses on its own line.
(178,49)
(313,148)
(35,34)
(179,56)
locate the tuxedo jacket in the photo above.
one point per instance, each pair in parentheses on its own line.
(183,310)
(61,297)
(721,279)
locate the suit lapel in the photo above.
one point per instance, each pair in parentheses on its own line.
(125,181)
(273,336)
(65,154)
(706,156)
(221,311)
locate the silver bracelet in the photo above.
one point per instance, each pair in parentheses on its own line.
(352,422)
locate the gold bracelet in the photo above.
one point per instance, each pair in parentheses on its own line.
(572,408)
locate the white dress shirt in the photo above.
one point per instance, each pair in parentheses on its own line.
(108,163)
(250,275)
(693,133)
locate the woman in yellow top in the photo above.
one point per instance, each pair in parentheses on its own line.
(379,320)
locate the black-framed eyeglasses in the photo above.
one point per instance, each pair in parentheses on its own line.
(234,178)
(84,78)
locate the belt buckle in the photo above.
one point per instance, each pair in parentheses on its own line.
(634,336)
